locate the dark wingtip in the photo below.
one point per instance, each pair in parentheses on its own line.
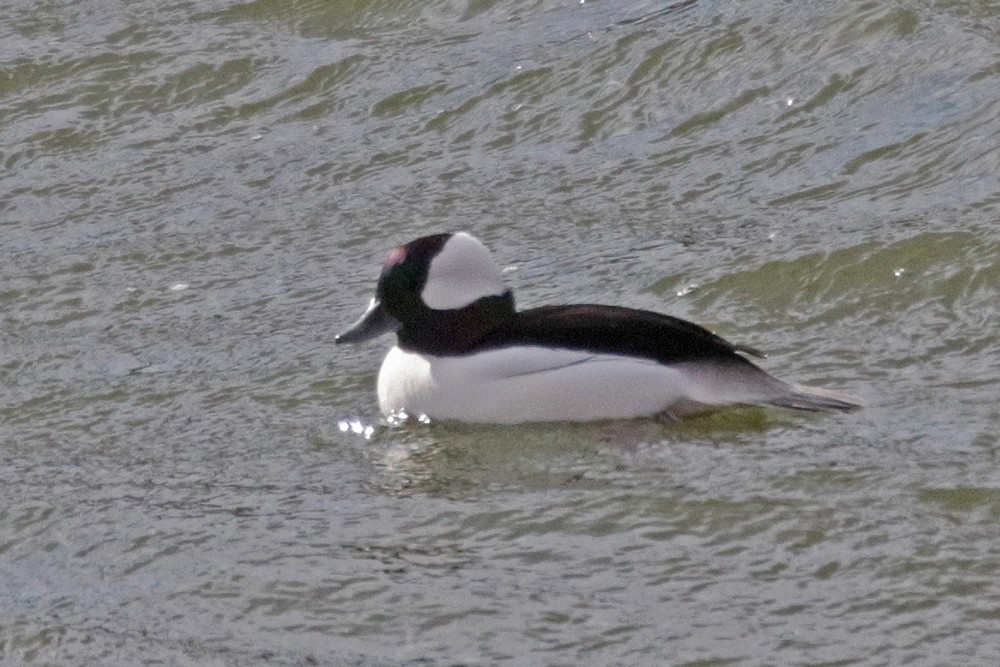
(752,351)
(819,400)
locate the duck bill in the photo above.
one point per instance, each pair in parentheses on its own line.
(375,322)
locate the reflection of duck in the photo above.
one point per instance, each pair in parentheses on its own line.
(463,352)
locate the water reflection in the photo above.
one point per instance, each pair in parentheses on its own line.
(458,460)
(357,427)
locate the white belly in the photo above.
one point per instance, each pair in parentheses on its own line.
(525,384)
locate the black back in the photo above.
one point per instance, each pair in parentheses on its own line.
(612,330)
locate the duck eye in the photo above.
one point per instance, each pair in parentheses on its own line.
(399,280)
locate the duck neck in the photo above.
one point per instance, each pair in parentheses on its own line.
(457,331)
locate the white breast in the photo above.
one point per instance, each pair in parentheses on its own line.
(524,384)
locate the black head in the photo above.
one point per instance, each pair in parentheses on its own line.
(439,293)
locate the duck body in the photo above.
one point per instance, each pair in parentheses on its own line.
(464,352)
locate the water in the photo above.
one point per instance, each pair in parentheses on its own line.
(195,197)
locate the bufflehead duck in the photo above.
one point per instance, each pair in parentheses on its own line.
(464,353)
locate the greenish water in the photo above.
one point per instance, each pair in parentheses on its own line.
(195,197)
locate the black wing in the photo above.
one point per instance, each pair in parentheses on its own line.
(614,330)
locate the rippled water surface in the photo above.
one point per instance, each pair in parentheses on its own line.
(195,197)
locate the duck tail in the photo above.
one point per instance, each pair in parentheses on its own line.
(737,380)
(799,397)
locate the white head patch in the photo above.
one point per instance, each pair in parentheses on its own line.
(462,272)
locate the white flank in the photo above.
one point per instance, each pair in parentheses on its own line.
(528,384)
(462,272)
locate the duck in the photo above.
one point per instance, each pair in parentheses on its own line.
(463,351)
